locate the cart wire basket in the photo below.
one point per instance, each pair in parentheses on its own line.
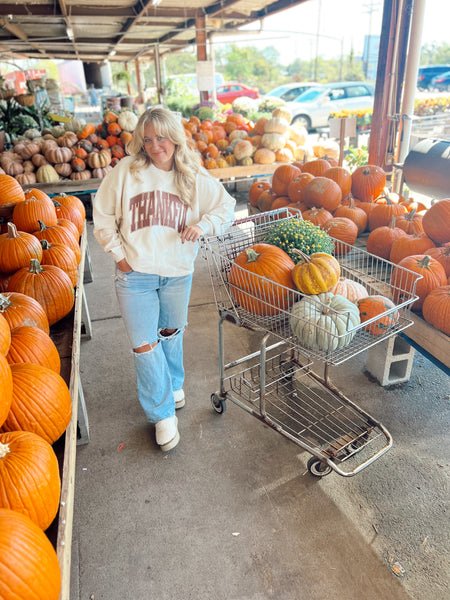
(276,384)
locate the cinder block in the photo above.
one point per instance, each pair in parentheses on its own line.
(243,185)
(391,361)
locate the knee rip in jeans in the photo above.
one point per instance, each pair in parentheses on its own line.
(145,347)
(168,334)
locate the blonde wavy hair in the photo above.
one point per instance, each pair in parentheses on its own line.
(186,163)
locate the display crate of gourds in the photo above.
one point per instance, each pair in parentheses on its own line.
(39,258)
(358,207)
(234,140)
(74,150)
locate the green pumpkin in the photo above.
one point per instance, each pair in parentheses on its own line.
(324,321)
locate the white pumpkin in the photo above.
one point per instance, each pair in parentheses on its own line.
(324,321)
(128,120)
(273,141)
(283,112)
(298,134)
(237,134)
(276,125)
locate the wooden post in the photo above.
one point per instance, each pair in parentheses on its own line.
(341,142)
(200,32)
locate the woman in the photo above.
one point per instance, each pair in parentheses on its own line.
(149,213)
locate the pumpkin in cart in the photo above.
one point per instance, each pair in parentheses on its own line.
(372,306)
(352,290)
(436,308)
(368,182)
(41,402)
(32,345)
(316,273)
(49,285)
(324,322)
(29,476)
(261,279)
(29,566)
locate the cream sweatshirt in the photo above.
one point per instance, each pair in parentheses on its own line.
(142,221)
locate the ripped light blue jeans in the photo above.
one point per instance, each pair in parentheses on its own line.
(150,304)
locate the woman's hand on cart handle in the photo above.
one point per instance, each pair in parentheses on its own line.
(191,233)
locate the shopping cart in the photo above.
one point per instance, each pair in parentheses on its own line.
(277,383)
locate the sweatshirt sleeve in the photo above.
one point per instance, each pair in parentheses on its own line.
(107,214)
(216,205)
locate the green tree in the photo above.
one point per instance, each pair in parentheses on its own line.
(435,54)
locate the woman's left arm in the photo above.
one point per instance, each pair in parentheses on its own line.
(216,205)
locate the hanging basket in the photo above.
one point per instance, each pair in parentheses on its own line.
(25,99)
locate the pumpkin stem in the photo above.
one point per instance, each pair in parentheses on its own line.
(45,244)
(424,262)
(35,266)
(56,203)
(305,258)
(252,256)
(4,450)
(392,223)
(12,231)
(42,225)
(5,302)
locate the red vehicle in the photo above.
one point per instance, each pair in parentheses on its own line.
(228,92)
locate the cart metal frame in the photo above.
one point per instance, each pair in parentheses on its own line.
(276,384)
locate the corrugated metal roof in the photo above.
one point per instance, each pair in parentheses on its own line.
(118,30)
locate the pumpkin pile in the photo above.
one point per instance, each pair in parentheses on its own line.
(348,205)
(73,150)
(39,257)
(235,140)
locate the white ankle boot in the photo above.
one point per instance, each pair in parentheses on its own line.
(167,436)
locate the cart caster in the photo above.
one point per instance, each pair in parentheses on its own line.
(287,370)
(218,403)
(318,468)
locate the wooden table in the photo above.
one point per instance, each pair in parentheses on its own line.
(67,334)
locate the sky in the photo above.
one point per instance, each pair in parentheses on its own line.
(342,25)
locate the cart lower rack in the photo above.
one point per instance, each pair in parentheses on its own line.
(276,384)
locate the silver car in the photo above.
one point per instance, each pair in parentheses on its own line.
(312,109)
(290,91)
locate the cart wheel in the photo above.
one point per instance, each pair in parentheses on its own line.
(287,370)
(218,403)
(318,468)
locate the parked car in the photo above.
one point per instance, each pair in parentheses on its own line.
(290,91)
(441,82)
(312,109)
(427,73)
(228,92)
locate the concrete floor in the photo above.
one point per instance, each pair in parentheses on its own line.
(232,513)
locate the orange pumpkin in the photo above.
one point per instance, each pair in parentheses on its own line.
(322,192)
(354,213)
(29,477)
(260,279)
(382,214)
(32,345)
(318,216)
(411,222)
(372,306)
(49,285)
(297,186)
(368,182)
(17,248)
(409,244)
(436,308)
(34,208)
(87,130)
(60,256)
(256,189)
(436,221)
(381,239)
(316,166)
(344,230)
(282,177)
(30,568)
(342,177)
(6,389)
(433,276)
(48,413)
(20,309)
(114,129)
(442,255)
(5,336)
(11,193)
